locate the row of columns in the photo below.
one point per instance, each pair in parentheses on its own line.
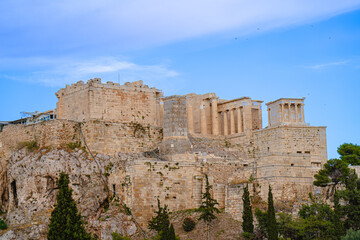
(289,110)
(297,106)
(234,128)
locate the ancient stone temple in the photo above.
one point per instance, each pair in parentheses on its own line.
(161,147)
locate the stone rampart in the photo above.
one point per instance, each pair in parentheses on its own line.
(131,102)
(101,137)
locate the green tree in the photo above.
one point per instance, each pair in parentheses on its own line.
(351,196)
(171,234)
(349,153)
(3,225)
(318,222)
(289,228)
(117,236)
(207,209)
(351,235)
(65,222)
(334,172)
(161,221)
(272,231)
(247,224)
(261,218)
(338,214)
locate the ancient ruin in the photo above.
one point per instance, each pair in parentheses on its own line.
(150,146)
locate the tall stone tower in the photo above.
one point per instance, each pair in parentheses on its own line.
(175,140)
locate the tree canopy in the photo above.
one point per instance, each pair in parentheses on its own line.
(65,222)
(349,153)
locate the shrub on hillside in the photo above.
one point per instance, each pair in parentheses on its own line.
(30,145)
(188,224)
(73,145)
(3,225)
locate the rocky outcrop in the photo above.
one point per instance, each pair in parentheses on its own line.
(32,188)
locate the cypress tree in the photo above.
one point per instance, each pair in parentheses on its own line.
(272,231)
(171,235)
(65,222)
(247,224)
(207,207)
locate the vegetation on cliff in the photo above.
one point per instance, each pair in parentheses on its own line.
(319,220)
(208,206)
(3,225)
(65,222)
(272,231)
(161,223)
(248,221)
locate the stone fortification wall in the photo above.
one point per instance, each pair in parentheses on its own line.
(53,133)
(178,184)
(110,102)
(287,157)
(111,137)
(101,137)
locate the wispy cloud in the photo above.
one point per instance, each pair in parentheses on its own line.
(58,72)
(144,23)
(326,65)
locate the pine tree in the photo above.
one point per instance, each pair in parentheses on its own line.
(161,221)
(207,207)
(272,231)
(247,224)
(65,222)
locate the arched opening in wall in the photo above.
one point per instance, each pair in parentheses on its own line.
(14,191)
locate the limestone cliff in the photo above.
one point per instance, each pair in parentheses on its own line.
(32,190)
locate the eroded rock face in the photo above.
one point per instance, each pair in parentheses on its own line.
(32,183)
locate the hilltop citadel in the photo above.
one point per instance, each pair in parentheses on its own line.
(163,146)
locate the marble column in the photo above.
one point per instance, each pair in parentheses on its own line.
(203,126)
(269,123)
(296,113)
(232,121)
(289,117)
(161,112)
(239,120)
(190,118)
(282,112)
(225,123)
(302,113)
(214,117)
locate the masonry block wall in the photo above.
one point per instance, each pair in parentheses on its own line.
(195,135)
(289,155)
(131,102)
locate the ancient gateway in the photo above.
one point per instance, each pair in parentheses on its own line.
(167,144)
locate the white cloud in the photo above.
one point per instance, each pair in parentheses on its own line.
(326,65)
(141,23)
(58,72)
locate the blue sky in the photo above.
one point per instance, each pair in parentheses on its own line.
(263,49)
